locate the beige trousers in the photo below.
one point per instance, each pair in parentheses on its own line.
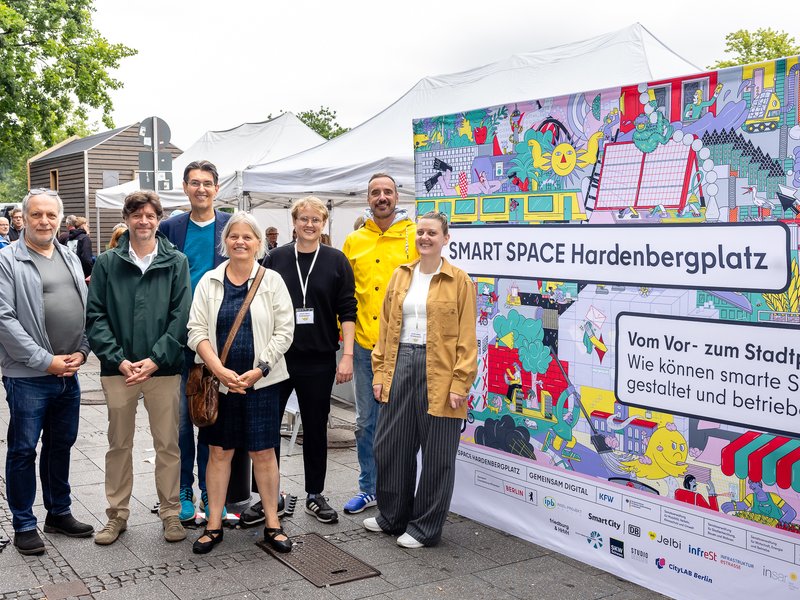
(161,403)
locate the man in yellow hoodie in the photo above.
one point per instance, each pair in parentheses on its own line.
(384,242)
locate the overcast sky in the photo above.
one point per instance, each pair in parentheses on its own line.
(213,64)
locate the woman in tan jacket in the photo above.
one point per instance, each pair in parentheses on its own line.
(424,365)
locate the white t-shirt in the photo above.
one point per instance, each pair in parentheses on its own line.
(415,314)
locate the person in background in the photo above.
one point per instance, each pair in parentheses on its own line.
(320,283)
(249,416)
(325,239)
(17,224)
(117,232)
(425,362)
(136,322)
(4,227)
(81,244)
(384,242)
(42,346)
(272,238)
(69,225)
(197,234)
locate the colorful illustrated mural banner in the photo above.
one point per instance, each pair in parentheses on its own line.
(635,257)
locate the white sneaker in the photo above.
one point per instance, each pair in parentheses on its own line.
(371,524)
(406,541)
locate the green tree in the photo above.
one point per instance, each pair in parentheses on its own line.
(750,47)
(323,121)
(54,68)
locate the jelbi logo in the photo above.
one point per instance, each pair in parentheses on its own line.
(549,502)
(667,541)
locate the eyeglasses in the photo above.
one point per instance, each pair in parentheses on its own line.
(42,191)
(206,185)
(307,220)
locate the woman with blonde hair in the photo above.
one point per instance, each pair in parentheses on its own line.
(250,376)
(116,233)
(424,365)
(321,285)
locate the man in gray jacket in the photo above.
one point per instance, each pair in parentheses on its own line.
(40,360)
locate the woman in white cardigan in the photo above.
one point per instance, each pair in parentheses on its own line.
(248,408)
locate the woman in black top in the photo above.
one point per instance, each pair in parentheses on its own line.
(320,282)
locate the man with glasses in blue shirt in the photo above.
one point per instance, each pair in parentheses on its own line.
(196,234)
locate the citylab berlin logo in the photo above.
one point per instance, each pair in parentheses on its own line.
(661,563)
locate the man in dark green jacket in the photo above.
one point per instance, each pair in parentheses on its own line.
(136,318)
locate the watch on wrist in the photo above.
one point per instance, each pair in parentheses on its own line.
(265,368)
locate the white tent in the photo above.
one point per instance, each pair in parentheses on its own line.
(339,169)
(231,151)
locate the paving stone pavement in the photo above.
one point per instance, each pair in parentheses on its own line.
(472,561)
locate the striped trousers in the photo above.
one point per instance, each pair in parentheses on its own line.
(404,427)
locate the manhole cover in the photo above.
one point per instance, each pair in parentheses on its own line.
(321,562)
(69,589)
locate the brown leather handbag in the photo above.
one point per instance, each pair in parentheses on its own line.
(202,386)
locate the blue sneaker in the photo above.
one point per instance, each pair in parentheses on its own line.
(359,502)
(187,504)
(204,505)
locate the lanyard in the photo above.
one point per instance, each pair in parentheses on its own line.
(304,284)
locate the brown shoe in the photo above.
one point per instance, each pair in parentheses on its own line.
(109,534)
(173,530)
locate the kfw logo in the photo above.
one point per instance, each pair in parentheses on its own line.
(661,563)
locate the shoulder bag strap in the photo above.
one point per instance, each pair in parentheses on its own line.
(242,312)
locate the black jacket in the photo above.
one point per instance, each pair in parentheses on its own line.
(81,244)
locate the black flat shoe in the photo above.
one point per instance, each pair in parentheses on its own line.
(215,537)
(270,533)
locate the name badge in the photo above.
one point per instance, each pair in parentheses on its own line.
(417,337)
(304,316)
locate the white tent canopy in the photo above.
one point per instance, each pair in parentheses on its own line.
(231,151)
(339,169)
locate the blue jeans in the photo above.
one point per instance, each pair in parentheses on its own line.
(49,407)
(366,417)
(186,437)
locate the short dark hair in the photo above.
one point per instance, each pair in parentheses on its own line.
(136,200)
(203,165)
(379,175)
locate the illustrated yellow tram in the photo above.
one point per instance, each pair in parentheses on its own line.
(518,207)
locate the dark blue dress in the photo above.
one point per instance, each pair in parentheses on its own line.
(250,421)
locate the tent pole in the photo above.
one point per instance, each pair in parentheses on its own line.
(330,220)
